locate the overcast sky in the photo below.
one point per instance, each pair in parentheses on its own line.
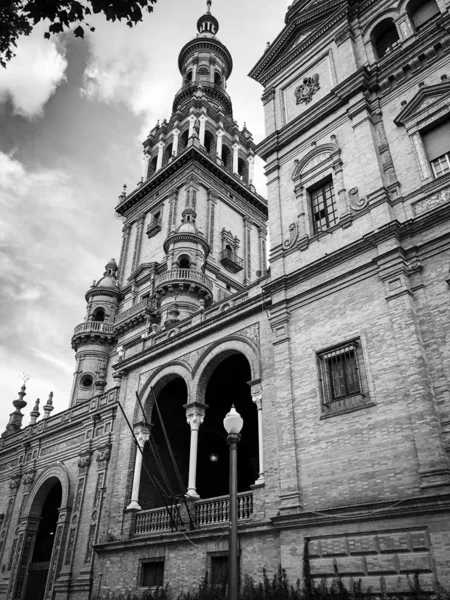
(73,116)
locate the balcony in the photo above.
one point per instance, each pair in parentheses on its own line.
(93,332)
(134,316)
(153,228)
(231,261)
(210,512)
(182,277)
(212,90)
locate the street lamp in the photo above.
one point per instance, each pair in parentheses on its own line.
(233,423)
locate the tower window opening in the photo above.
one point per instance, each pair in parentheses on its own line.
(420,12)
(152,166)
(385,37)
(217,78)
(188,78)
(243,170)
(167,154)
(183,140)
(98,314)
(227,157)
(210,143)
(184,262)
(86,381)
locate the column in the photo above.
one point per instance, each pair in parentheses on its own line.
(145,160)
(219,143)
(251,168)
(235,158)
(176,137)
(257,399)
(345,215)
(194,69)
(247,250)
(262,235)
(425,169)
(195,414)
(124,252)
(159,160)
(202,120)
(142,434)
(137,243)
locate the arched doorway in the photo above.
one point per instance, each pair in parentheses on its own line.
(43,547)
(157,461)
(227,385)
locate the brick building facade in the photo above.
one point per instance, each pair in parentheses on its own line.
(337,359)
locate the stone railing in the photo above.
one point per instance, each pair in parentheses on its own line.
(156,519)
(212,511)
(94,327)
(216,510)
(131,312)
(188,275)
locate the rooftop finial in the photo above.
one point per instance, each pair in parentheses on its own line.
(208,6)
(49,406)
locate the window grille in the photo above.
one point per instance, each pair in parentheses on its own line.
(153,573)
(340,373)
(323,207)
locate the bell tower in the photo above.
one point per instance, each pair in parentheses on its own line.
(194,227)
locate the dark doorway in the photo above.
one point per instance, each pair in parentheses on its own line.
(158,461)
(227,386)
(40,560)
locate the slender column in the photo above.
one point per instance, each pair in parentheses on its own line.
(345,216)
(145,160)
(142,434)
(176,137)
(262,235)
(159,160)
(257,399)
(219,143)
(251,168)
(137,244)
(124,252)
(247,250)
(235,157)
(194,69)
(195,414)
(425,169)
(202,120)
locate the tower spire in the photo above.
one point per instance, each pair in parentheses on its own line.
(208,6)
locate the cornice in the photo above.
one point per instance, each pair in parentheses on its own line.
(268,66)
(194,155)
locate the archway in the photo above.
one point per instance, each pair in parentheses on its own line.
(40,561)
(227,385)
(170,395)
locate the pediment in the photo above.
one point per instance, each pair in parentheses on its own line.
(425,98)
(305,23)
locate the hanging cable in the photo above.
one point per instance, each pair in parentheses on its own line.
(153,479)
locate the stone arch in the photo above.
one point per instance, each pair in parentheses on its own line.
(157,380)
(41,487)
(331,149)
(216,353)
(390,12)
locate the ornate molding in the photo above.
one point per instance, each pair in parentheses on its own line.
(305,91)
(438,199)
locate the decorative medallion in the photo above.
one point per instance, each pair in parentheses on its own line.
(305,91)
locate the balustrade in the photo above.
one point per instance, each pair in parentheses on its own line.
(94,326)
(207,512)
(188,275)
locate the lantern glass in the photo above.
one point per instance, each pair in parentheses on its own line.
(233,422)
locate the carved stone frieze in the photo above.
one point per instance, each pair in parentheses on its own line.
(431,202)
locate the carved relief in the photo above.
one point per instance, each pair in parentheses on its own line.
(305,91)
(316,160)
(54,561)
(23,565)
(431,202)
(357,203)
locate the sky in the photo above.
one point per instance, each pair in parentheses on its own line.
(73,116)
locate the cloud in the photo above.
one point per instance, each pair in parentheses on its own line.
(53,361)
(124,72)
(32,77)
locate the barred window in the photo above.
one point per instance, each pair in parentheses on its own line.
(343,378)
(153,573)
(323,207)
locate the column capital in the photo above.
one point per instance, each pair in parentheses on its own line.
(142,433)
(195,414)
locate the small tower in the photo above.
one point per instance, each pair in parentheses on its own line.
(94,339)
(184,285)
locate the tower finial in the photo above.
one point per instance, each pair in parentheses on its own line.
(208,6)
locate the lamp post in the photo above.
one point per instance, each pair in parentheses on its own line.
(233,423)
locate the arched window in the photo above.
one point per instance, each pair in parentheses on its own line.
(217,78)
(182,143)
(243,169)
(184,261)
(167,153)
(384,37)
(210,143)
(421,11)
(152,166)
(227,157)
(98,314)
(188,78)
